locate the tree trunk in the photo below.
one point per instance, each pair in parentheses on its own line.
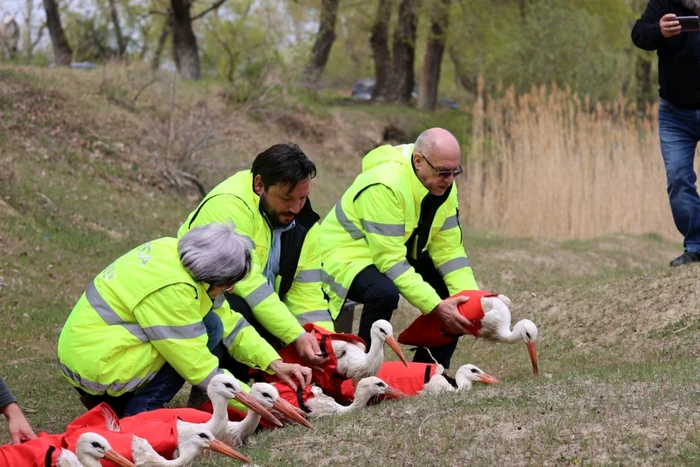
(379,41)
(324,41)
(27,33)
(155,63)
(404,48)
(185,50)
(432,60)
(61,49)
(645,93)
(121,42)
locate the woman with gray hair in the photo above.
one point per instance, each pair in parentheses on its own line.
(137,333)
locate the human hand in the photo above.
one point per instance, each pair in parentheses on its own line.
(448,311)
(669,25)
(309,351)
(17,424)
(288,372)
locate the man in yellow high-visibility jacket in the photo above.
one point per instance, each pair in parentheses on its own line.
(270,205)
(396,231)
(137,333)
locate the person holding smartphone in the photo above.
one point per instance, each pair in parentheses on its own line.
(679,109)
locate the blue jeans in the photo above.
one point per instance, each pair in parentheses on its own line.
(679,131)
(167,382)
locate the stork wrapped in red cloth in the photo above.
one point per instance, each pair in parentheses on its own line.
(86,436)
(346,357)
(490,316)
(315,403)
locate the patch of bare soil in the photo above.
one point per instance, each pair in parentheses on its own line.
(631,310)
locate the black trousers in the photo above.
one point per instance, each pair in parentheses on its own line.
(380,298)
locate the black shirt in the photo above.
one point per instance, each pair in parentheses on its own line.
(679,56)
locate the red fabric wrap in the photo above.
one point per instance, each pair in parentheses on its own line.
(40,452)
(430,331)
(327,379)
(36,452)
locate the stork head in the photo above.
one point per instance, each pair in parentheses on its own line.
(374,386)
(198,438)
(93,445)
(224,386)
(527,330)
(473,373)
(268,397)
(382,331)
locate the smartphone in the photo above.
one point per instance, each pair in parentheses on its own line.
(689,23)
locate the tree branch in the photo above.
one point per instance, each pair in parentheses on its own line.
(216,5)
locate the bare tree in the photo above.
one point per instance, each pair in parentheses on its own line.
(121,41)
(404,52)
(432,60)
(379,41)
(61,49)
(185,49)
(324,41)
(27,43)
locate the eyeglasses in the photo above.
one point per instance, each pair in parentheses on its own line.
(444,173)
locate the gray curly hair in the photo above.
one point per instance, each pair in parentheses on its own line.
(215,254)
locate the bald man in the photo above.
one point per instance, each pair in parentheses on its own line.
(396,231)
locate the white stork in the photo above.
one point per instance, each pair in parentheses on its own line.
(238,433)
(221,389)
(354,363)
(192,440)
(321,405)
(495,326)
(465,376)
(90,448)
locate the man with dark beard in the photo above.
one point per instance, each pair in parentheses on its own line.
(679,110)
(269,205)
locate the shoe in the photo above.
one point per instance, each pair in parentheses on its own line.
(686,258)
(197,398)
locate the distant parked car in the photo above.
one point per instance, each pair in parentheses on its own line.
(364,88)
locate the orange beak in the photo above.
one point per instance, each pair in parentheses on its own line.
(247,400)
(118,459)
(223,448)
(533,357)
(488,379)
(391,341)
(394,394)
(289,411)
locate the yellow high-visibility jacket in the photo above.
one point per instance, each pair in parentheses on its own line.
(144,310)
(298,297)
(373,222)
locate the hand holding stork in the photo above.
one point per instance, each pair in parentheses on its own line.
(307,347)
(448,311)
(288,372)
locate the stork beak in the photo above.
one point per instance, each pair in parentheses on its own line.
(488,379)
(247,400)
(391,341)
(118,459)
(289,411)
(394,394)
(533,357)
(223,448)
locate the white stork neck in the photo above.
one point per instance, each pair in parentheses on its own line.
(248,425)
(463,383)
(360,401)
(375,356)
(87,460)
(219,418)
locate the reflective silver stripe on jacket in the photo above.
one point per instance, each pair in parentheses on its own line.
(452,265)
